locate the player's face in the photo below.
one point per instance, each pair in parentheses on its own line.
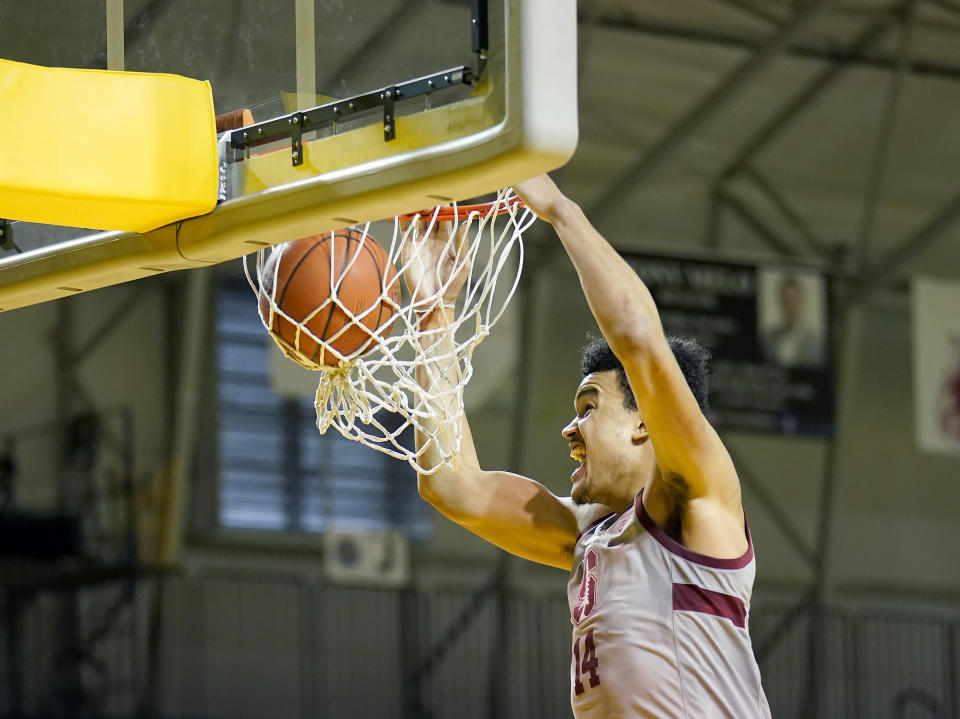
(603,438)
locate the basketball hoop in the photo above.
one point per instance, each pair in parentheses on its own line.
(381,376)
(448,213)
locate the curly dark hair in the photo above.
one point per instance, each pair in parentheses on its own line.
(693,358)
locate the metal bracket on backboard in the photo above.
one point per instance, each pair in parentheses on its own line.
(225,154)
(480,31)
(297,121)
(389,126)
(294,124)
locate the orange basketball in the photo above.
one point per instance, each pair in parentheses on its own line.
(356,268)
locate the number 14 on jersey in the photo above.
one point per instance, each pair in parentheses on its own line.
(585,662)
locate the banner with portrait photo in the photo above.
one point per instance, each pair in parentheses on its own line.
(936,365)
(768,331)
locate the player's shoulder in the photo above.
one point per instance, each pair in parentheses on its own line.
(585,514)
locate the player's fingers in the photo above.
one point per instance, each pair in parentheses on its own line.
(434,228)
(412,252)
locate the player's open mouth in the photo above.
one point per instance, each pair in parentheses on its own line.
(577,473)
(578,454)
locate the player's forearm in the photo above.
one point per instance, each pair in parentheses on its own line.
(446,488)
(454,491)
(618,298)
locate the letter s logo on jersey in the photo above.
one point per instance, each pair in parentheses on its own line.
(587,596)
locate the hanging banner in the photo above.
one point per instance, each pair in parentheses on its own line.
(767,328)
(936,365)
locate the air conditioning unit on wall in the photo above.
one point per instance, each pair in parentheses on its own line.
(381,559)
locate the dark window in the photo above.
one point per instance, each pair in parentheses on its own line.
(276,470)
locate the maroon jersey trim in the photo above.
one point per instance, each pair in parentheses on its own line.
(674,547)
(693,598)
(595,523)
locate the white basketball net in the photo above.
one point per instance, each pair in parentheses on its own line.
(359,392)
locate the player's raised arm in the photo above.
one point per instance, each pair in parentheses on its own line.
(693,463)
(513,512)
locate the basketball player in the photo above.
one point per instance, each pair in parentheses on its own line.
(654,534)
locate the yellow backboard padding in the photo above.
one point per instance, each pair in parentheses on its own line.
(105,150)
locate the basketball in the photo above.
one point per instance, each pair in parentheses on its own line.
(344,269)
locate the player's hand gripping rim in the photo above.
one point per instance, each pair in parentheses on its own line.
(435,264)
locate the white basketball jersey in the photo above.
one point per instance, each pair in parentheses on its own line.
(659,631)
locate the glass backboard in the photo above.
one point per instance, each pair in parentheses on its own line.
(360,110)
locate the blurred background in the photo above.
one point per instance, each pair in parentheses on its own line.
(782,174)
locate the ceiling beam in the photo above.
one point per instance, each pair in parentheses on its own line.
(706,110)
(885,134)
(948,5)
(789,213)
(851,55)
(896,259)
(757,13)
(760,228)
(872,33)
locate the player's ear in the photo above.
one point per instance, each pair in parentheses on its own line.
(640,433)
